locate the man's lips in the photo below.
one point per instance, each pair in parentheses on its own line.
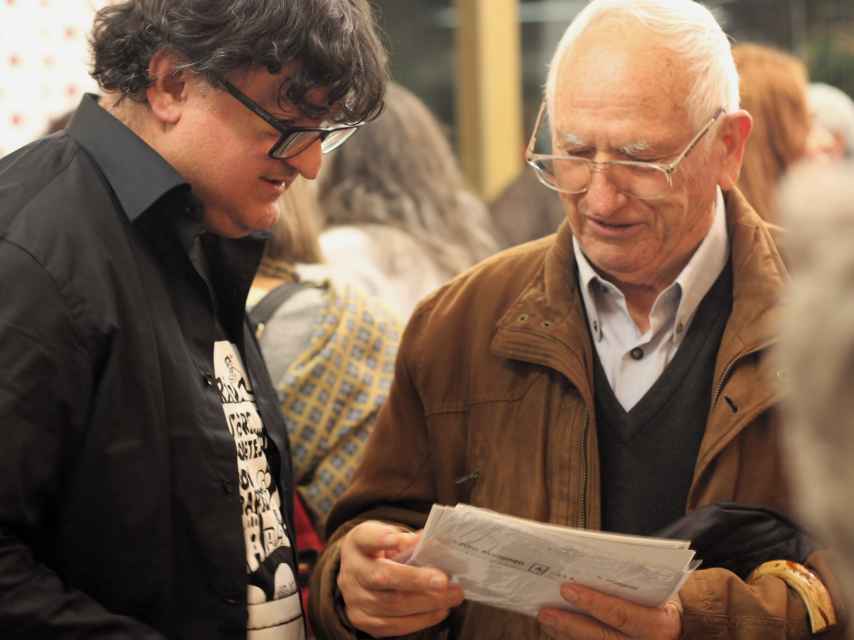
(280,184)
(613,228)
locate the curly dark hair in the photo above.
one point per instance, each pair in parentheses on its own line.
(335,42)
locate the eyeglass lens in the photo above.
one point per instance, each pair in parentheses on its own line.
(299,141)
(574,176)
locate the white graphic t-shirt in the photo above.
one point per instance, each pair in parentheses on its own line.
(273,598)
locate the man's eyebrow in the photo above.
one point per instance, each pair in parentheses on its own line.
(634,147)
(572,140)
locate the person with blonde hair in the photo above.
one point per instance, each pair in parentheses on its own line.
(395,202)
(774,91)
(330,350)
(315,321)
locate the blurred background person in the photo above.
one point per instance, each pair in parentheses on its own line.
(832,112)
(397,210)
(329,348)
(525,211)
(817,353)
(773,88)
(330,351)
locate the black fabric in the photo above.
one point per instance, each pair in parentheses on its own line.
(120,510)
(648,454)
(740,537)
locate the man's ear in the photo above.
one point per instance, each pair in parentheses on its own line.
(734,132)
(167,93)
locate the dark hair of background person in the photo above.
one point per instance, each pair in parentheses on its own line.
(400,171)
(333,42)
(773,88)
(526,210)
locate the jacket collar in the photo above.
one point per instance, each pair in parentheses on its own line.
(759,275)
(546,324)
(138,175)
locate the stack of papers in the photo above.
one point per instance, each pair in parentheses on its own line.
(518,564)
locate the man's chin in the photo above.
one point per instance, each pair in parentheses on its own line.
(234,226)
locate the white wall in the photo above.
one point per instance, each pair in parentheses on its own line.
(44,63)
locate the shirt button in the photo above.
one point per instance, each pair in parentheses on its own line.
(636,353)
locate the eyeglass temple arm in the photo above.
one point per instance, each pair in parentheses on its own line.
(533,139)
(672,166)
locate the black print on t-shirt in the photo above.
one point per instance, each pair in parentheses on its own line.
(273,598)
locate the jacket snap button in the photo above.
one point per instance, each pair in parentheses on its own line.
(523,317)
(547,324)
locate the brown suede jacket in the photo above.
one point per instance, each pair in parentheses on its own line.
(492,405)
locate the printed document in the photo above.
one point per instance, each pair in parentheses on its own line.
(518,564)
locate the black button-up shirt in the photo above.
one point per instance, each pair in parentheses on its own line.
(119,514)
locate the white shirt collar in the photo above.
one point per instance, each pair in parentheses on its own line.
(690,286)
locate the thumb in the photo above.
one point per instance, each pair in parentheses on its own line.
(374,538)
(406,541)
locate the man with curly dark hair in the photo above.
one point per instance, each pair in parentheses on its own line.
(145,474)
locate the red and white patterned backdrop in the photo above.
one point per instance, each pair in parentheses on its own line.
(44,62)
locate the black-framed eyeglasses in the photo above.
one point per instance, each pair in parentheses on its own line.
(293,140)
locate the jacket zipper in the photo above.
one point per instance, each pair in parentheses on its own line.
(582,517)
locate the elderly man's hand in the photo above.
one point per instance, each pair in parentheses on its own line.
(604,617)
(384,597)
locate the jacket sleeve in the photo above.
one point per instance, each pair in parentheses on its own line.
(44,390)
(387,486)
(718,604)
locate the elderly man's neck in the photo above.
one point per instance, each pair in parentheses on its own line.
(641,296)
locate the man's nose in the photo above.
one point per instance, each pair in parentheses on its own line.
(307,162)
(603,197)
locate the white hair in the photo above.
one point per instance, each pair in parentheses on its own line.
(688,29)
(834,110)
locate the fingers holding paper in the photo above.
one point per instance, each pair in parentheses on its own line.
(604,617)
(384,597)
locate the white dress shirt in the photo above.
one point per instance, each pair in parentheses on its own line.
(633,361)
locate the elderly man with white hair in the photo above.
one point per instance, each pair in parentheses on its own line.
(611,376)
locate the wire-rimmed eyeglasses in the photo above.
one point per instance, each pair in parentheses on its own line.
(573,174)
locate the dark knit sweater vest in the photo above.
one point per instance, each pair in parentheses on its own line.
(647,455)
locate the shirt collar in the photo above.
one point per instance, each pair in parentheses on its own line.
(692,284)
(138,175)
